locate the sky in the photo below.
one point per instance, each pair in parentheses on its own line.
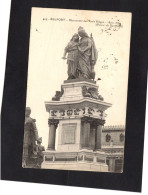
(50,32)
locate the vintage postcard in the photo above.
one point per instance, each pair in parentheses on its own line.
(77,90)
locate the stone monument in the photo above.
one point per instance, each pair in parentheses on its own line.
(77,113)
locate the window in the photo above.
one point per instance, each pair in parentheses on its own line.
(108,138)
(122,137)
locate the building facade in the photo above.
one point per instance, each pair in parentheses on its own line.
(112,141)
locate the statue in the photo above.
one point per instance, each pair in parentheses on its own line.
(30,137)
(82,56)
(87,55)
(58,95)
(72,59)
(40,154)
(91,92)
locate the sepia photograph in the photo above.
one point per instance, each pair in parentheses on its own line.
(78,66)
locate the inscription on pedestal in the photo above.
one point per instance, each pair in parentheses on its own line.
(77,112)
(68,133)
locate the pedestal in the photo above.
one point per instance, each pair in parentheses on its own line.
(80,112)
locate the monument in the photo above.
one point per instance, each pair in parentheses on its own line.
(77,113)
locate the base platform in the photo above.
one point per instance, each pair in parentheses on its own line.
(84,160)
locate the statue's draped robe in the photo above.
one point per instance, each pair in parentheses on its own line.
(86,59)
(72,59)
(30,136)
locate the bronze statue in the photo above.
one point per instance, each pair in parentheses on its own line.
(72,59)
(30,136)
(87,55)
(82,56)
(40,150)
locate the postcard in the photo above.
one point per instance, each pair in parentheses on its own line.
(77,90)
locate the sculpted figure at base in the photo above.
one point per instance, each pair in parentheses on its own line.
(40,150)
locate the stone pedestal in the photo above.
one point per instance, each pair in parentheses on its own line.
(79,113)
(69,135)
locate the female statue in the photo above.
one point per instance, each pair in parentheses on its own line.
(72,59)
